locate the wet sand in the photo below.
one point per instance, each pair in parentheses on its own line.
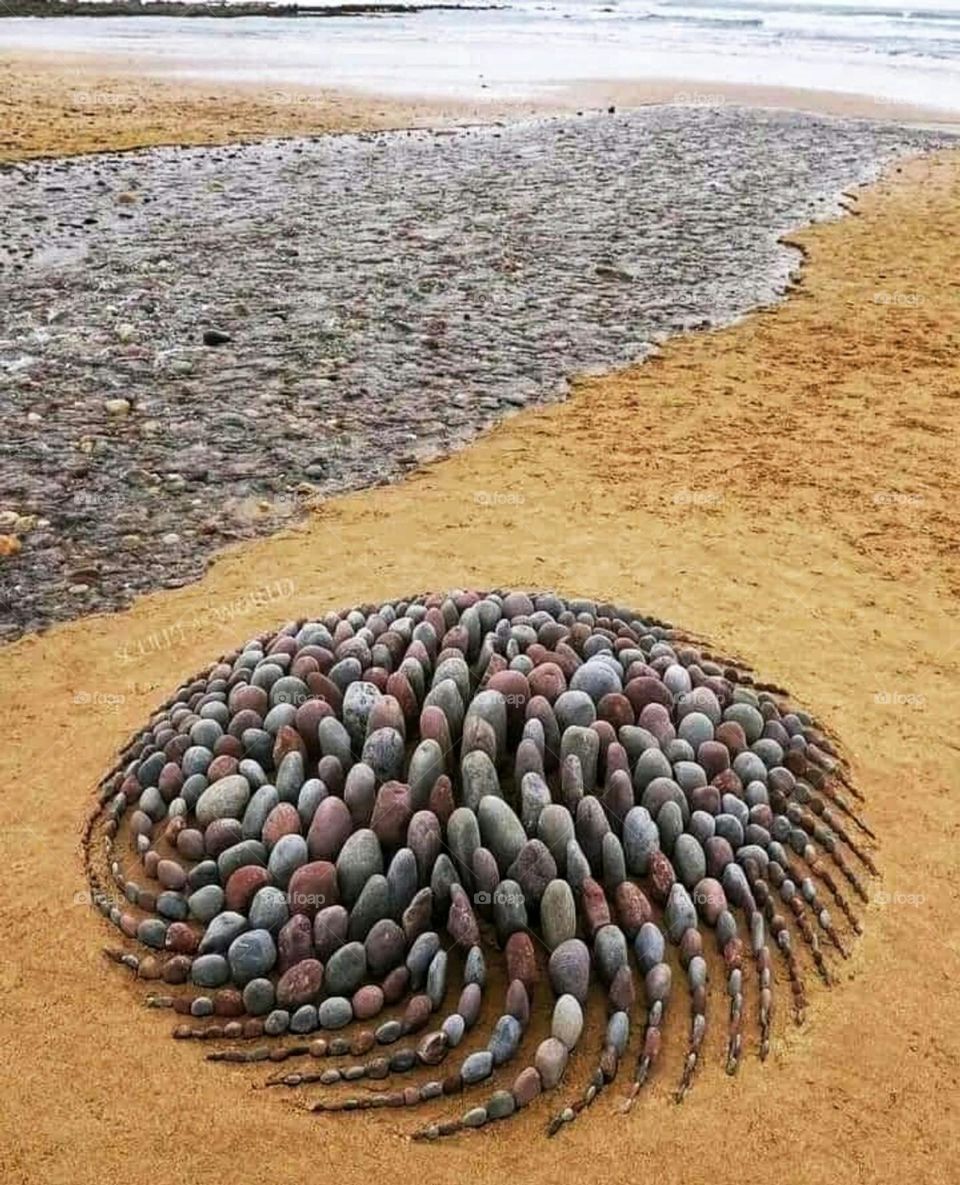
(787,487)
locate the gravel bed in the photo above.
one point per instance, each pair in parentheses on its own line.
(197,343)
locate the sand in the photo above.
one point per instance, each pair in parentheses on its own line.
(785,486)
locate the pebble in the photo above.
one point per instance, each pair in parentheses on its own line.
(335,1012)
(569,969)
(551,1061)
(251,956)
(226,798)
(567,1023)
(505,1039)
(476,1067)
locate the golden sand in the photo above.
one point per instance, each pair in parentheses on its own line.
(786,486)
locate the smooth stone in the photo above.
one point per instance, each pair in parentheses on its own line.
(358,700)
(476,1067)
(225,799)
(221,931)
(206,902)
(501,830)
(331,827)
(268,909)
(651,764)
(567,1023)
(509,909)
(533,869)
(239,855)
(609,952)
(277,1023)
(574,709)
(360,858)
(329,930)
(555,828)
(346,969)
(584,744)
(501,1104)
(558,914)
(384,751)
(371,906)
(505,1039)
(420,955)
(251,956)
(670,825)
(436,985)
(550,1061)
(479,779)
(259,996)
(649,946)
(304,1020)
(618,1032)
(689,860)
(641,838)
(210,971)
(569,969)
(534,799)
(335,1012)
(258,809)
(289,853)
(453,1029)
(463,839)
(679,913)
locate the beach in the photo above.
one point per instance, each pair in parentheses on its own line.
(783,485)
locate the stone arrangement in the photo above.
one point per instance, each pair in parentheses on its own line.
(339,825)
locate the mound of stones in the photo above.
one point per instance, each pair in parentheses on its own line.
(317,845)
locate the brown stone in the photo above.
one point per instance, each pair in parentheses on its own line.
(521,960)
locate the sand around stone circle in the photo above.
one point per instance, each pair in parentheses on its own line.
(787,486)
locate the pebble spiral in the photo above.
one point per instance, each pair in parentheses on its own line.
(318,843)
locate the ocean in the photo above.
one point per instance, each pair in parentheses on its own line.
(899,53)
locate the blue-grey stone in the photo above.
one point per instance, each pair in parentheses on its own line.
(268,909)
(476,1067)
(505,1039)
(251,956)
(227,798)
(221,931)
(360,858)
(649,946)
(210,971)
(289,853)
(259,996)
(346,969)
(336,1012)
(205,903)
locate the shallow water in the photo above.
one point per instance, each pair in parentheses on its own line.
(878,47)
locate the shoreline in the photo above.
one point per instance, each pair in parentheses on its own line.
(67,104)
(813,447)
(47,9)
